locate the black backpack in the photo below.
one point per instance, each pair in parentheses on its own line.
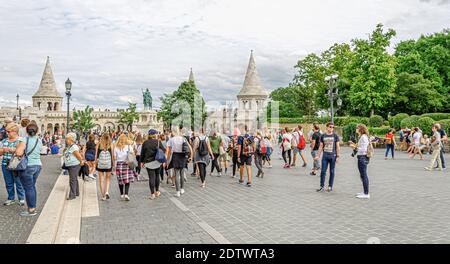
(202,147)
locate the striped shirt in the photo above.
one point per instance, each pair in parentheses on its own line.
(7,144)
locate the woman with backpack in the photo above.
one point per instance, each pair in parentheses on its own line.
(125,174)
(148,160)
(203,155)
(261,151)
(365,151)
(266,158)
(104,163)
(89,155)
(286,147)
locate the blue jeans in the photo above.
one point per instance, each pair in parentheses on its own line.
(362,167)
(328,158)
(29,177)
(442,157)
(389,147)
(10,181)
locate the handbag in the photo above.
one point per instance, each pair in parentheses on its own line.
(131,160)
(160,156)
(20,163)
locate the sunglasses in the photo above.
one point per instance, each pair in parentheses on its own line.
(331,127)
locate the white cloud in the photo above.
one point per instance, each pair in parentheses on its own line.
(112,49)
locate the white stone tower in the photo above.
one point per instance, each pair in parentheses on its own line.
(251,99)
(191,76)
(47,97)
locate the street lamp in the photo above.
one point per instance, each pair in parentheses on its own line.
(79,129)
(332,94)
(17,107)
(68,94)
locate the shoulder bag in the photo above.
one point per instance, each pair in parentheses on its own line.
(20,163)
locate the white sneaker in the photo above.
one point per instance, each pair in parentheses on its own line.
(182,191)
(363,196)
(122,197)
(91,176)
(127,198)
(177,194)
(22,202)
(428,168)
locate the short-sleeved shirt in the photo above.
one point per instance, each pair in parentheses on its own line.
(121,154)
(69,157)
(215,144)
(54,149)
(296,135)
(7,144)
(316,138)
(176,144)
(416,138)
(389,138)
(226,141)
(34,158)
(329,143)
(90,147)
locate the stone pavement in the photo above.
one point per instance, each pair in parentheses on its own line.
(14,228)
(408,205)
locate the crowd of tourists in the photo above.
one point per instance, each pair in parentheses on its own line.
(170,155)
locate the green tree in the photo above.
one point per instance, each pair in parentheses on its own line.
(129,115)
(291,103)
(85,116)
(416,95)
(174,106)
(428,56)
(371,73)
(311,73)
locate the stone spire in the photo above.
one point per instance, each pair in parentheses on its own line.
(252,84)
(191,76)
(47,88)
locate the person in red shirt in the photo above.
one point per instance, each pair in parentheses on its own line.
(390,143)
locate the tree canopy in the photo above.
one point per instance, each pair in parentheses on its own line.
(184,107)
(414,79)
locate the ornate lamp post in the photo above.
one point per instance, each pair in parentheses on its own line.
(18,108)
(333,92)
(68,94)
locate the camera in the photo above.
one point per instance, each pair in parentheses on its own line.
(353,140)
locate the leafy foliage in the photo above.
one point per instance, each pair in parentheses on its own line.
(85,116)
(376,121)
(397,119)
(425,123)
(185,106)
(129,115)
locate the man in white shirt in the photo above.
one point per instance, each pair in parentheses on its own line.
(297,134)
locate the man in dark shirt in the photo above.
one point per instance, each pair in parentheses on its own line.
(315,144)
(329,146)
(444,139)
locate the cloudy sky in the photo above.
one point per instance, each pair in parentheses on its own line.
(112,49)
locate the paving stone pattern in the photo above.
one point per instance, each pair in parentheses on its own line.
(15,229)
(408,205)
